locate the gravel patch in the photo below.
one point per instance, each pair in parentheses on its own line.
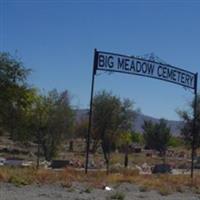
(82,192)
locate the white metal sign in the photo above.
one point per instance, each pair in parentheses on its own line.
(142,67)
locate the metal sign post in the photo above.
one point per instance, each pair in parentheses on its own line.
(90,113)
(194,134)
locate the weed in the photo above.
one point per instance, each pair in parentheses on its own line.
(88,190)
(118,196)
(164,191)
(164,184)
(66,184)
(197,190)
(180,189)
(130,172)
(71,189)
(143,188)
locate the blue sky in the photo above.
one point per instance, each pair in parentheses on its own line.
(56,39)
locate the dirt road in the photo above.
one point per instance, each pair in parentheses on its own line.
(124,191)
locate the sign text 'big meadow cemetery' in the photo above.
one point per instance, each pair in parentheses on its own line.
(132,65)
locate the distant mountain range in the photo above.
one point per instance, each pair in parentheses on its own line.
(175,126)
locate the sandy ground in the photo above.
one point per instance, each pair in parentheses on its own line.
(80,192)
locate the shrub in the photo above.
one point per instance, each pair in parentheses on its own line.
(88,190)
(18,181)
(143,188)
(66,184)
(164,191)
(197,190)
(179,189)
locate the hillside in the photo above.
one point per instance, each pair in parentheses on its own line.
(175,126)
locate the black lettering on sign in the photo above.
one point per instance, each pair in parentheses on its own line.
(106,61)
(191,79)
(132,67)
(120,63)
(150,69)
(144,67)
(127,64)
(101,61)
(178,76)
(110,61)
(159,71)
(138,66)
(183,77)
(174,75)
(188,79)
(170,73)
(164,74)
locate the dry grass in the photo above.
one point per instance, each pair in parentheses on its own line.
(165,184)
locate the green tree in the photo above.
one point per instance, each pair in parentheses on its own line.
(81,128)
(137,137)
(125,139)
(111,116)
(15,96)
(176,141)
(149,134)
(187,117)
(12,71)
(157,136)
(52,121)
